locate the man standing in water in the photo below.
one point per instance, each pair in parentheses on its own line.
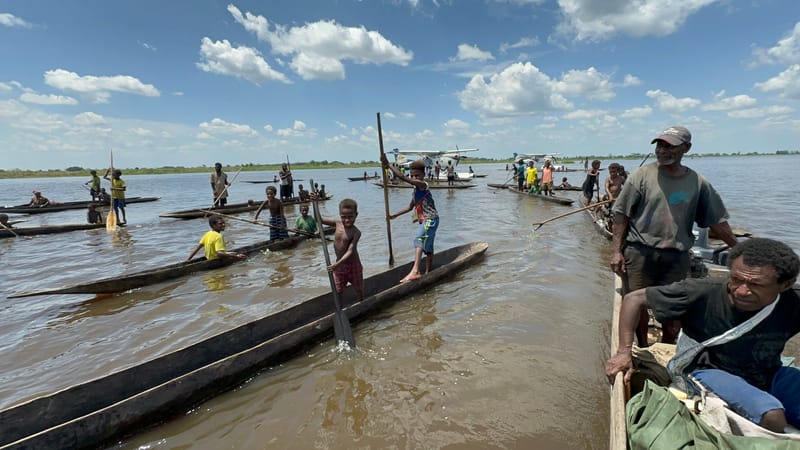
(653,220)
(219,186)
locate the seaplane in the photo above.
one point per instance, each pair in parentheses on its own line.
(541,158)
(404,157)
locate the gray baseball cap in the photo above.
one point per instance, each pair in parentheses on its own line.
(675,136)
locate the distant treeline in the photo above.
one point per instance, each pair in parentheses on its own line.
(325,164)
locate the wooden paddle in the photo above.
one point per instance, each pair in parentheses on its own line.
(257,222)
(341,326)
(216,199)
(539,224)
(111,219)
(385,194)
(6,227)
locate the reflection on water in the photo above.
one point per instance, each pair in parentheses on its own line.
(508,354)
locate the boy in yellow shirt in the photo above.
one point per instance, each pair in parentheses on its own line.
(214,244)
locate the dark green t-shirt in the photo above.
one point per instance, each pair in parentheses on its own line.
(705,311)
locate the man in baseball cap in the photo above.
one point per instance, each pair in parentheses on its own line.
(653,219)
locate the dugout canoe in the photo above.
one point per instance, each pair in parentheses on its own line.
(498,186)
(143,278)
(439,185)
(268,181)
(102,411)
(601,222)
(549,198)
(371,177)
(571,188)
(234,208)
(25,209)
(50,229)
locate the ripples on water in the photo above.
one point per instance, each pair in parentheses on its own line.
(508,353)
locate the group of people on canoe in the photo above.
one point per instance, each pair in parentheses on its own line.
(730,333)
(347,269)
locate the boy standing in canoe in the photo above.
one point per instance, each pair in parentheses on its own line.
(118,194)
(94,189)
(277,220)
(214,244)
(347,268)
(424,213)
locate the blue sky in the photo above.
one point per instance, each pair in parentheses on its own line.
(193,82)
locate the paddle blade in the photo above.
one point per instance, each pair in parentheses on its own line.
(111,221)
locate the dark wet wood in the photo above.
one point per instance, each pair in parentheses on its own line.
(234,208)
(25,209)
(431,185)
(50,229)
(101,411)
(135,280)
(549,198)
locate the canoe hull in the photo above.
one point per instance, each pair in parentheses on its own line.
(148,277)
(101,410)
(53,229)
(234,208)
(25,209)
(547,198)
(434,185)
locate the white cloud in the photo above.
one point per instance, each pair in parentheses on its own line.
(587,83)
(786,84)
(727,103)
(519,89)
(522,43)
(299,128)
(631,80)
(318,49)
(751,113)
(40,99)
(786,51)
(637,113)
(98,89)
(218,126)
(243,62)
(10,20)
(468,52)
(602,19)
(150,47)
(667,102)
(5,87)
(89,118)
(454,127)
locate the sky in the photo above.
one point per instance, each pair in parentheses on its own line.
(189,83)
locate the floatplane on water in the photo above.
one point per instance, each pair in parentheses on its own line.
(405,157)
(539,159)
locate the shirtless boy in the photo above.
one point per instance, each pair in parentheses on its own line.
(277,220)
(347,268)
(614,181)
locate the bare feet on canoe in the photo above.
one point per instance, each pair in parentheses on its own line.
(411,277)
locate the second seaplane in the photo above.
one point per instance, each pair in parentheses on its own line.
(541,158)
(444,157)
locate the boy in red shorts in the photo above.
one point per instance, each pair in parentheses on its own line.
(347,268)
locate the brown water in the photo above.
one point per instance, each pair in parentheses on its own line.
(509,354)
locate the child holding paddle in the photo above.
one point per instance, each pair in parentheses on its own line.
(118,194)
(277,220)
(347,268)
(424,213)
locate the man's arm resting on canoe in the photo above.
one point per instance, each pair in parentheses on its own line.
(622,361)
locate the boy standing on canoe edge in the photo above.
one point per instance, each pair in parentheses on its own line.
(214,244)
(424,213)
(347,268)
(277,220)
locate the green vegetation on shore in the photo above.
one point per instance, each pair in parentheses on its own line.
(76,171)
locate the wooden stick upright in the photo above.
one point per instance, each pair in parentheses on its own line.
(385,193)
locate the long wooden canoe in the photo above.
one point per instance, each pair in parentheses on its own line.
(25,209)
(268,181)
(549,198)
(233,208)
(101,411)
(439,185)
(600,222)
(50,229)
(571,188)
(371,177)
(498,185)
(143,278)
